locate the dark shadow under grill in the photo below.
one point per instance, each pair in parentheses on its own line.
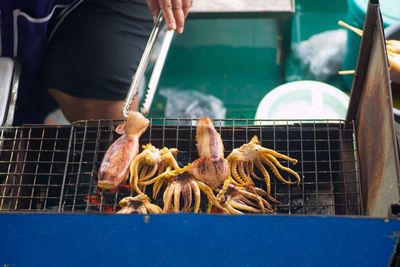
(53,169)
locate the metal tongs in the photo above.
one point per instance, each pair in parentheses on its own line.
(158,67)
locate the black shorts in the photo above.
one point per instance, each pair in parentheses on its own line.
(97,48)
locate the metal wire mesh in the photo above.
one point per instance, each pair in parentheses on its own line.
(55,168)
(32,164)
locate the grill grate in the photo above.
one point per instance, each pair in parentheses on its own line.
(32,163)
(40,173)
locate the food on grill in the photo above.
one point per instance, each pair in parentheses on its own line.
(211,167)
(232,178)
(203,175)
(244,199)
(149,163)
(186,185)
(139,204)
(243,159)
(114,168)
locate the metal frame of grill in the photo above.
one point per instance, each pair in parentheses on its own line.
(54,169)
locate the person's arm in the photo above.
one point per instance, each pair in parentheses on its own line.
(174,12)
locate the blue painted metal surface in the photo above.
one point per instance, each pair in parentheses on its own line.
(195,240)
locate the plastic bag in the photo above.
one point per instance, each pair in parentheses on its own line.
(192,104)
(323,53)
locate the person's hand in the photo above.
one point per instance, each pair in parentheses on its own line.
(174,12)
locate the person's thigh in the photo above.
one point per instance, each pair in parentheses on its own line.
(93,55)
(75,108)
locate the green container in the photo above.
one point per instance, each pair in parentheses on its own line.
(231,59)
(390,10)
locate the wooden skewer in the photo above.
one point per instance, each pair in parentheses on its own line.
(351,28)
(392,48)
(391,45)
(346,72)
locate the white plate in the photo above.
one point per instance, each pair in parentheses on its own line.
(303,100)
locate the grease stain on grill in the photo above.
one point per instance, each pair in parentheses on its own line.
(54,169)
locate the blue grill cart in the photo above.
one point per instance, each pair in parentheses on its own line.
(343,213)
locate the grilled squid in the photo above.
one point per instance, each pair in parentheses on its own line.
(114,168)
(202,176)
(150,163)
(211,167)
(244,159)
(185,186)
(245,199)
(139,204)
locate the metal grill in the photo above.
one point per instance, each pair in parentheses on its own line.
(54,169)
(32,164)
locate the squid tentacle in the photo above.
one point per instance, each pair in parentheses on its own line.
(262,193)
(239,206)
(187,197)
(168,173)
(210,195)
(266,206)
(234,172)
(133,180)
(247,168)
(265,160)
(243,175)
(232,210)
(246,201)
(143,170)
(153,208)
(224,188)
(233,181)
(177,197)
(265,173)
(253,196)
(157,187)
(197,195)
(252,173)
(247,194)
(172,162)
(143,210)
(158,184)
(267,151)
(286,169)
(149,174)
(168,196)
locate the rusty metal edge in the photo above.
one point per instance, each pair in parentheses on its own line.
(362,62)
(370,27)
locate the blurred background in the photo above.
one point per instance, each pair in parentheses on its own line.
(231,64)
